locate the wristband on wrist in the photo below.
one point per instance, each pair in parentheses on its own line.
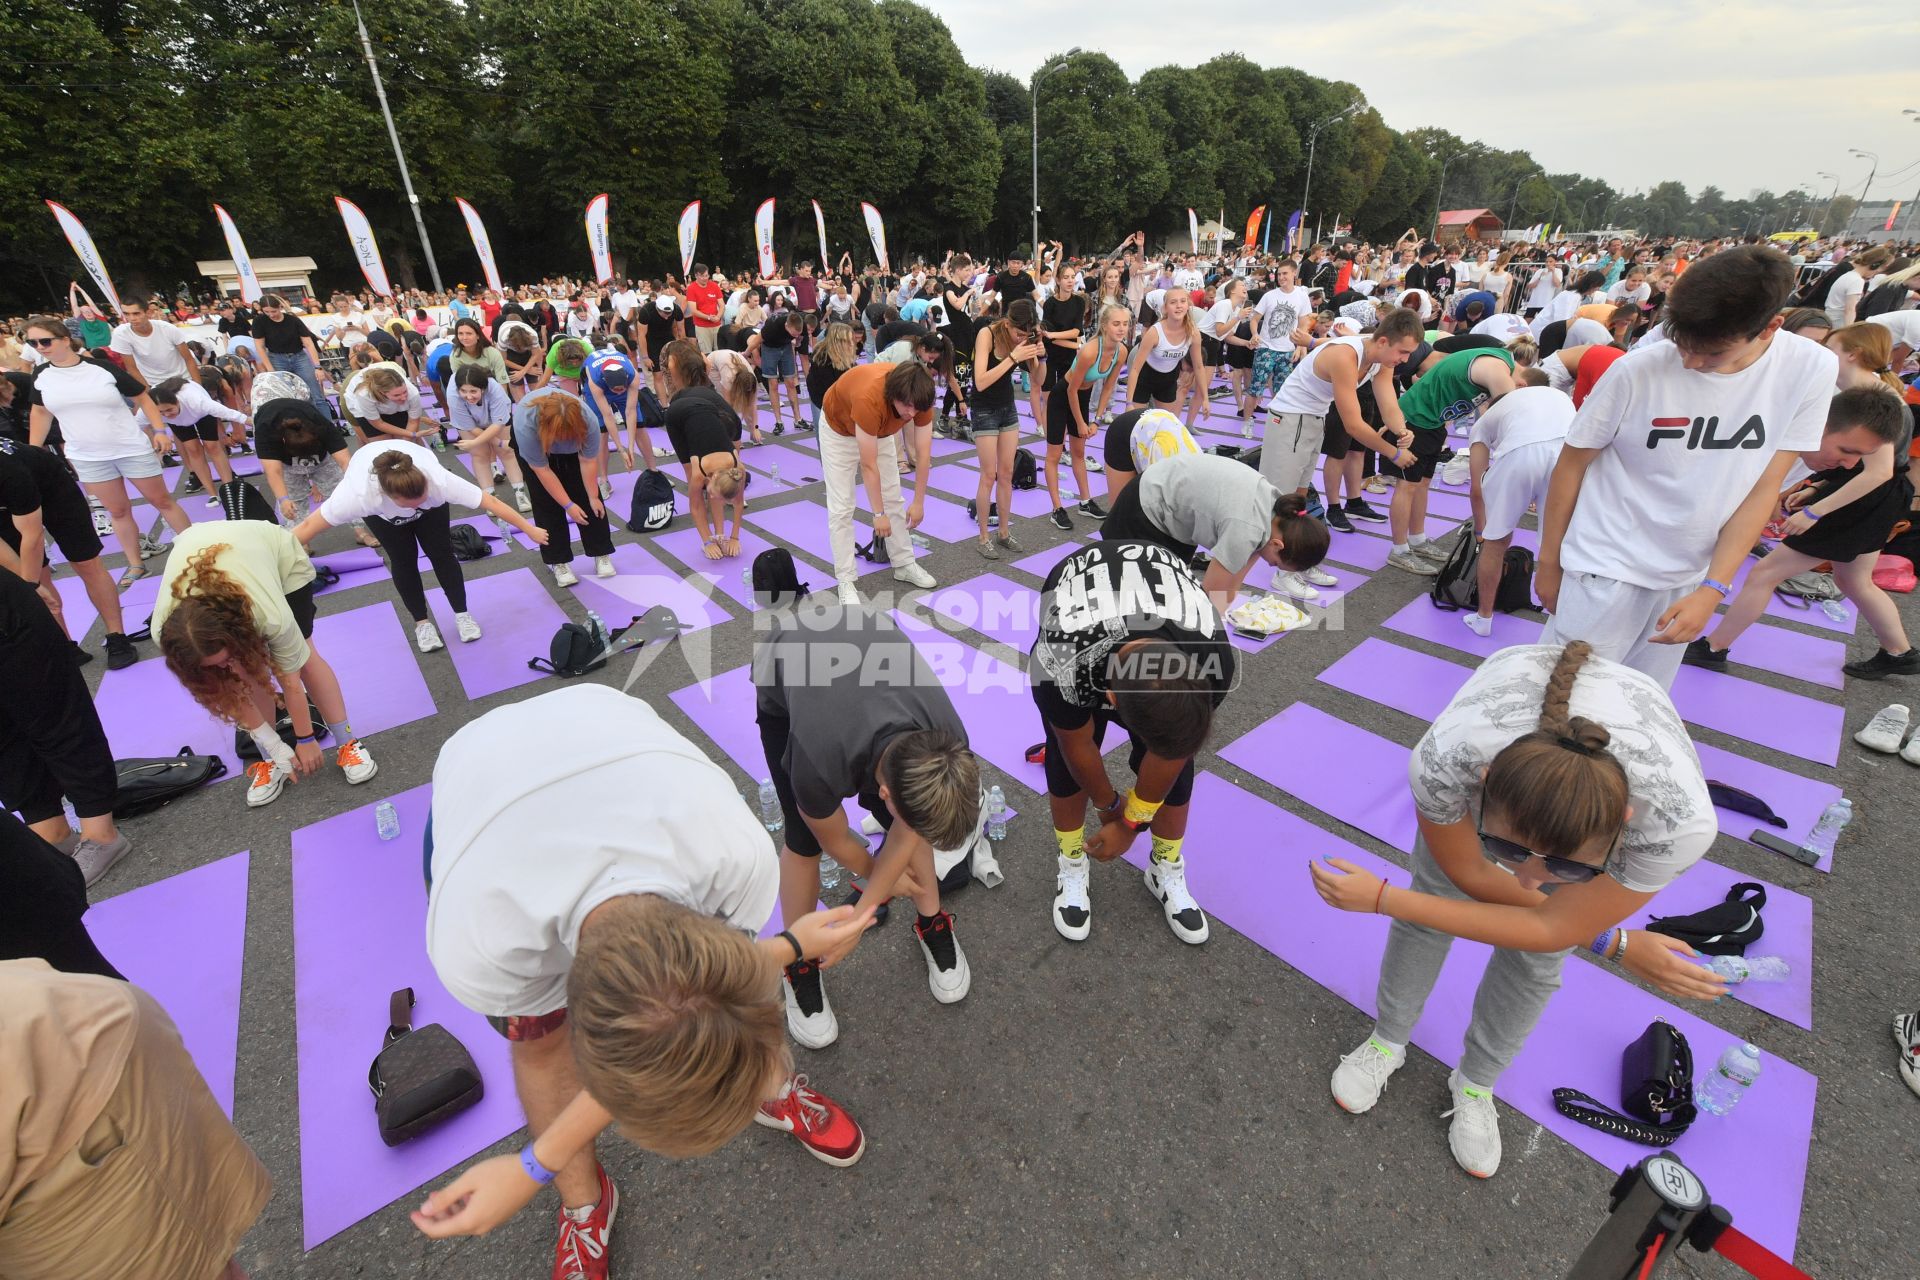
(1809,513)
(799,952)
(1380,897)
(1724,590)
(1603,944)
(305,737)
(1139,812)
(534,1169)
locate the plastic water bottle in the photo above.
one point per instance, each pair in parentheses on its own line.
(1826,832)
(830,876)
(996,814)
(770,815)
(917,538)
(1729,1080)
(1834,610)
(1751,968)
(773,469)
(746,576)
(386,820)
(597,625)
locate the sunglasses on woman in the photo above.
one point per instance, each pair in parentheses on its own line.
(42,343)
(1512,855)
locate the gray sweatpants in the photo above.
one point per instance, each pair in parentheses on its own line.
(1516,987)
(311,483)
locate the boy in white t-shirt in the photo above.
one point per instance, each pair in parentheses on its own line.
(1675,462)
(1514,446)
(1283,323)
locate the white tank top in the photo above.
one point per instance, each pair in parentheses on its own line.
(1308,390)
(1559,377)
(1165,357)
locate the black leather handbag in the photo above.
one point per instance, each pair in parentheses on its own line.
(421,1077)
(146,783)
(1656,1088)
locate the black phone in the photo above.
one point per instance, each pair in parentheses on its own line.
(1799,853)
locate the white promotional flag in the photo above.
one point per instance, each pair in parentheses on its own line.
(250,290)
(689,237)
(597,239)
(763,236)
(820,225)
(366,250)
(877,232)
(1193,229)
(82,243)
(481,245)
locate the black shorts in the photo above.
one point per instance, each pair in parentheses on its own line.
(1239,357)
(1426,446)
(301,602)
(1212,352)
(69,526)
(1060,780)
(1860,528)
(775,730)
(1127,522)
(1156,386)
(207,429)
(1060,412)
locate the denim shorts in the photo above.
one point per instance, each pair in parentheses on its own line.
(778,362)
(135,466)
(991,422)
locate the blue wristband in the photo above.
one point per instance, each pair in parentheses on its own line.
(535,1170)
(309,738)
(1809,513)
(1599,947)
(1724,590)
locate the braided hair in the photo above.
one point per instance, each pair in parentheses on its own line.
(1559,787)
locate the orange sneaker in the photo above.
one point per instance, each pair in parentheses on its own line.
(821,1124)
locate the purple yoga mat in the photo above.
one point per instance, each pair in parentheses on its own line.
(994,607)
(1416,683)
(964,483)
(946,521)
(1359,550)
(1788,722)
(1799,800)
(1813,615)
(359,934)
(1350,774)
(503,544)
(1448,505)
(684,545)
(1269,898)
(182,940)
(1788,917)
(357,568)
(1041,563)
(993,698)
(642,583)
(793,475)
(723,708)
(146,712)
(1348,581)
(1791,653)
(804,525)
(519,619)
(1421,619)
(372,649)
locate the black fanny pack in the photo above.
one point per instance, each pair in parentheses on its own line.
(1725,929)
(421,1077)
(1656,1090)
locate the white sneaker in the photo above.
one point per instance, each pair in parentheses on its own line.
(1362,1074)
(1167,881)
(1480,626)
(1434,550)
(1474,1135)
(356,763)
(1293,586)
(1072,906)
(606,489)
(265,781)
(948,976)
(1906,1034)
(426,636)
(563,575)
(1321,578)
(603,567)
(914,576)
(469,629)
(849,594)
(521,500)
(1095,466)
(1885,731)
(1911,752)
(816,1029)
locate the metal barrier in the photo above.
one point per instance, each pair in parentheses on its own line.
(1657,1206)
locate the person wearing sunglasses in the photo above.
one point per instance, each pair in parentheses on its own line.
(1556,794)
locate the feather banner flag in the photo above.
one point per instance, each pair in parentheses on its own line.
(250,290)
(366,250)
(689,237)
(763,236)
(83,248)
(877,232)
(597,239)
(820,225)
(481,244)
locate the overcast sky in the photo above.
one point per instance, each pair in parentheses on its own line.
(1758,93)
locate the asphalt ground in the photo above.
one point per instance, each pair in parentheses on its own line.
(1130,1106)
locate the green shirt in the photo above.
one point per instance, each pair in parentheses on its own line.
(1446,392)
(95,334)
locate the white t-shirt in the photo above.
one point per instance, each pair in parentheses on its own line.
(1214,324)
(1545,283)
(195,404)
(1280,312)
(358,402)
(90,400)
(1673,822)
(1471,273)
(1308,390)
(157,355)
(358,494)
(1851,284)
(1904,325)
(1680,451)
(1188,278)
(1527,415)
(604,799)
(1503,325)
(1637,295)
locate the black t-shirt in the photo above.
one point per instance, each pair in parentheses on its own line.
(16,419)
(699,422)
(270,423)
(283,337)
(1098,599)
(660,328)
(1423,276)
(1058,315)
(894,330)
(1466,342)
(774,333)
(385,343)
(1014,284)
(33,479)
(241,325)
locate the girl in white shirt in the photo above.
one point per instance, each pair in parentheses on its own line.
(1542,288)
(195,419)
(1167,349)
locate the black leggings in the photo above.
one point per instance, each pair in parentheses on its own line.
(404,541)
(51,742)
(1060,779)
(596,536)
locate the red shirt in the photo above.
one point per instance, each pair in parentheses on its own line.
(705,296)
(492,312)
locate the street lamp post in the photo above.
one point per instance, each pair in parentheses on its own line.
(1514,207)
(1831,195)
(1440,196)
(1907,225)
(1872,169)
(1313,136)
(1053,66)
(406,179)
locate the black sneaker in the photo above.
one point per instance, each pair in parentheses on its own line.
(1883,664)
(1093,509)
(168,460)
(880,913)
(120,652)
(810,1019)
(1337,519)
(1701,654)
(1361,509)
(192,485)
(1060,518)
(245,448)
(80,656)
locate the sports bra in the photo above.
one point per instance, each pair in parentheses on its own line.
(1096,373)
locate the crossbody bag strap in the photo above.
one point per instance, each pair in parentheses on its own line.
(1593,1113)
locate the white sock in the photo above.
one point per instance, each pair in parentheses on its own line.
(1417,539)
(1400,546)
(1478,625)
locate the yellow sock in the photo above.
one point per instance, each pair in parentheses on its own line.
(1165,850)
(1073,844)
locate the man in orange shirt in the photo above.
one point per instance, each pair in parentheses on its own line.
(870,403)
(703,300)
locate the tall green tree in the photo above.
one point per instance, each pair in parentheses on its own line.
(950,197)
(1184,112)
(1102,169)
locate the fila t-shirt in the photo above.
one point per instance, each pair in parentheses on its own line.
(1680,451)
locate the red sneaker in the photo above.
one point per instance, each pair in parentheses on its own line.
(581,1253)
(821,1124)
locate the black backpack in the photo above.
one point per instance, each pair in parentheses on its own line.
(649,410)
(146,784)
(776,579)
(1457,585)
(468,543)
(652,503)
(249,751)
(241,501)
(1815,294)
(1885,300)
(576,649)
(1026,472)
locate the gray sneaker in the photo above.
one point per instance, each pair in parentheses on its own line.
(1435,550)
(986,549)
(1007,544)
(1413,563)
(96,859)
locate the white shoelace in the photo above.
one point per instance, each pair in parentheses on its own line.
(1884,721)
(811,1111)
(1477,1114)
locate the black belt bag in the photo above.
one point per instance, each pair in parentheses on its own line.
(421,1077)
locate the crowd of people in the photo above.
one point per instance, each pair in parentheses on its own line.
(1660,407)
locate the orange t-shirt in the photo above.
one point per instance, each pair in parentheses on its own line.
(858,398)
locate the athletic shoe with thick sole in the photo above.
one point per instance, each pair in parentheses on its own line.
(849,594)
(1412,563)
(356,763)
(1167,882)
(466,627)
(120,652)
(265,782)
(948,976)
(564,576)
(1701,654)
(1293,586)
(1362,1075)
(1887,730)
(914,576)
(1072,904)
(822,1125)
(1474,1135)
(1061,520)
(1881,665)
(810,1019)
(603,567)
(1320,578)
(1337,520)
(1092,509)
(1435,551)
(1364,511)
(426,636)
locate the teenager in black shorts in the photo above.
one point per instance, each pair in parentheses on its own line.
(40,500)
